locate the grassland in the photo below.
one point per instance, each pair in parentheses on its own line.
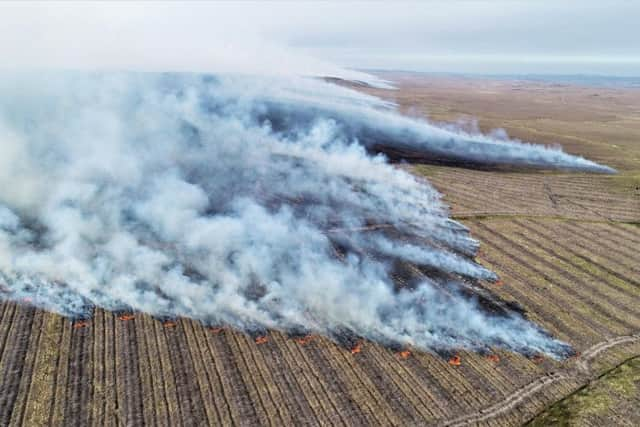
(565,245)
(613,397)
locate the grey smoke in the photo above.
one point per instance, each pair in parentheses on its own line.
(254,202)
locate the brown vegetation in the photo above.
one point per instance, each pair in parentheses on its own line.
(565,246)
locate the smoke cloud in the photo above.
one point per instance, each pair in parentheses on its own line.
(253,202)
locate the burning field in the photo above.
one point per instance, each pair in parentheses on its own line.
(258,203)
(235,250)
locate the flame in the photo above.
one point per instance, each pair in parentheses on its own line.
(404,354)
(80,324)
(493,358)
(216,330)
(574,358)
(304,340)
(455,361)
(169,324)
(357,348)
(126,317)
(499,282)
(262,339)
(537,359)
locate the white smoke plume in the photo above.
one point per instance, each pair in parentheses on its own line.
(253,202)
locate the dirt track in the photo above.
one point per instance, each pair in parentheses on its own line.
(539,384)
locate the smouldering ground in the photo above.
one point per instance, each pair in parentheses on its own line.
(565,245)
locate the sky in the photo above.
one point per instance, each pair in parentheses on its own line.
(488,37)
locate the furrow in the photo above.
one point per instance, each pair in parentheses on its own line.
(150,407)
(308,378)
(220,389)
(167,379)
(338,381)
(13,360)
(202,377)
(423,394)
(128,385)
(617,253)
(608,306)
(43,383)
(27,376)
(545,307)
(278,414)
(240,392)
(301,401)
(59,403)
(189,398)
(574,299)
(583,262)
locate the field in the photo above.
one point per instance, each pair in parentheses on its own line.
(565,246)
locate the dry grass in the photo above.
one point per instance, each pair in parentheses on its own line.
(564,245)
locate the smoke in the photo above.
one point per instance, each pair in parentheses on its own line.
(148,36)
(253,202)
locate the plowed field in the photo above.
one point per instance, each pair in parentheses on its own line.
(565,245)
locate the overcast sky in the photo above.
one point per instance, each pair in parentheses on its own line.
(464,36)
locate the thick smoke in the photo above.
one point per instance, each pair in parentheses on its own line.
(254,202)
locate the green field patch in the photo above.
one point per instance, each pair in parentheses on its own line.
(596,399)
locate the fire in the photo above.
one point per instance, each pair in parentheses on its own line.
(404,354)
(169,324)
(493,358)
(80,324)
(304,340)
(499,283)
(126,317)
(262,339)
(455,361)
(537,359)
(357,348)
(216,330)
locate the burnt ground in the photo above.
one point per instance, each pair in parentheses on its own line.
(564,245)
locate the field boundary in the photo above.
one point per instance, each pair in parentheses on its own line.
(478,216)
(534,387)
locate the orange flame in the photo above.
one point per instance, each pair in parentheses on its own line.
(455,361)
(262,339)
(126,317)
(493,358)
(80,324)
(404,354)
(304,340)
(169,324)
(537,359)
(216,330)
(499,283)
(357,348)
